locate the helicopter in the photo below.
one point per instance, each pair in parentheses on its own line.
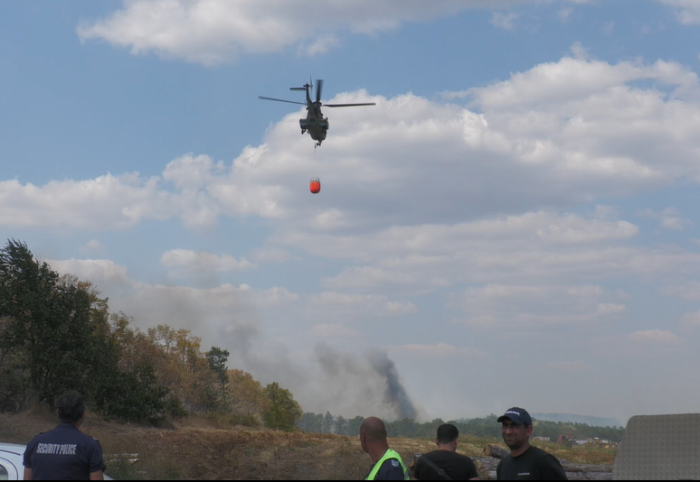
(315,123)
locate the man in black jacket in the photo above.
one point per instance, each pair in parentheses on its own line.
(445,463)
(525,462)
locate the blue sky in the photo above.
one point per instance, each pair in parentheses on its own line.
(514,222)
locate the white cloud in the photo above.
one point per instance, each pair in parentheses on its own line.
(689,291)
(92,245)
(691,320)
(654,337)
(610,308)
(669,218)
(320,46)
(558,135)
(564,14)
(503,20)
(214,31)
(357,305)
(688,11)
(98,271)
(270,255)
(497,306)
(106,202)
(203,261)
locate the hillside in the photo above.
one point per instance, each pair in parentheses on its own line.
(205,448)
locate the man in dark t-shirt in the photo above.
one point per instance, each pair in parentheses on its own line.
(525,462)
(445,463)
(65,453)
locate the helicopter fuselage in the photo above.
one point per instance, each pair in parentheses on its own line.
(315,123)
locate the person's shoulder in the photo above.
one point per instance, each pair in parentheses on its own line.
(390,470)
(41,435)
(540,453)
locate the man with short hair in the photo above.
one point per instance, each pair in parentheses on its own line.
(387,463)
(65,453)
(525,462)
(445,463)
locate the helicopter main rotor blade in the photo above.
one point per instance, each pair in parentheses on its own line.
(349,105)
(319,88)
(281,100)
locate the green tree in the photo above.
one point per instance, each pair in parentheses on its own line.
(55,327)
(218,359)
(283,412)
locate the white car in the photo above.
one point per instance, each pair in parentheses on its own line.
(11,467)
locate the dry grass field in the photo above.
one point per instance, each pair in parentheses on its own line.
(205,448)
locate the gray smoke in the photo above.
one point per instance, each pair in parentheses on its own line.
(395,393)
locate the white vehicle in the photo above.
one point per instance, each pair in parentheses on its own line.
(11,467)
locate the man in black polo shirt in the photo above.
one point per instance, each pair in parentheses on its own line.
(525,462)
(65,453)
(445,463)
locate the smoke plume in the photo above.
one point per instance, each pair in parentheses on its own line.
(395,393)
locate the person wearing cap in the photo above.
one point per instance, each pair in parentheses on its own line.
(387,463)
(445,463)
(525,462)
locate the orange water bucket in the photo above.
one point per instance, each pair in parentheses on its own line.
(315,185)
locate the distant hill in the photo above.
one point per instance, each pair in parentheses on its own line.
(570,418)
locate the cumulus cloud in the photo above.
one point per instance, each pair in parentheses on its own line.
(689,290)
(104,203)
(92,245)
(357,306)
(564,14)
(498,306)
(98,271)
(687,11)
(691,320)
(654,337)
(555,136)
(504,20)
(203,261)
(214,31)
(669,218)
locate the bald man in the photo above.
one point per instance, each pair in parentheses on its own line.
(387,463)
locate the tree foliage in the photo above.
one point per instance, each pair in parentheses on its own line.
(283,412)
(247,397)
(56,334)
(53,327)
(479,427)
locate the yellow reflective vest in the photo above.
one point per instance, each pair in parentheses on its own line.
(389,454)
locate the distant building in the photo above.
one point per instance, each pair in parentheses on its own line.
(542,439)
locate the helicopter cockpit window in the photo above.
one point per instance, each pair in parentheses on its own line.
(4,475)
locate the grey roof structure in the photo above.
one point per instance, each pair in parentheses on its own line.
(661,447)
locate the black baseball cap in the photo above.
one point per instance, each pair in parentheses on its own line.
(517,415)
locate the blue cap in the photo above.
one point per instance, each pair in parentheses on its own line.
(517,415)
